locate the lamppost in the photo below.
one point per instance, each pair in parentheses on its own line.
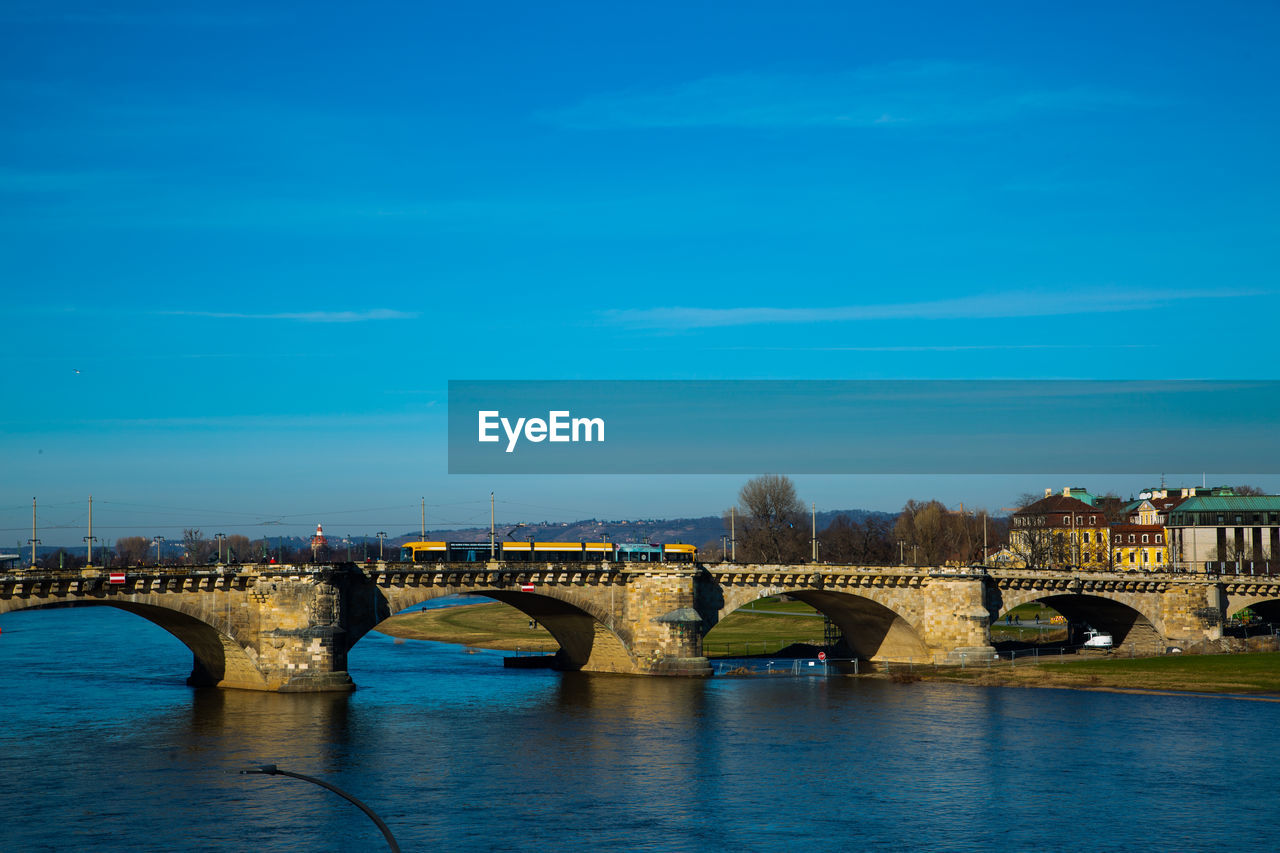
(33,541)
(272,770)
(220,537)
(159,542)
(382,534)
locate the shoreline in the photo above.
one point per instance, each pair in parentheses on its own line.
(1245,675)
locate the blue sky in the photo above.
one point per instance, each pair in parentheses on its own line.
(267,235)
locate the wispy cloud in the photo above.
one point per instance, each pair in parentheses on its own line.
(983,306)
(305,316)
(893,95)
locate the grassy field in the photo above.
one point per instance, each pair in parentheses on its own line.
(1240,673)
(491,626)
(764,628)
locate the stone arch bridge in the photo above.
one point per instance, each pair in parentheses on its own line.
(290,628)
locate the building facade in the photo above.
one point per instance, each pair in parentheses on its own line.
(1061,531)
(1226,529)
(1139,547)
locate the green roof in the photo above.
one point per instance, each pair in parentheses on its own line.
(1230,503)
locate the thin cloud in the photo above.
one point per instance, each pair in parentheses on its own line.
(305,316)
(979,307)
(897,94)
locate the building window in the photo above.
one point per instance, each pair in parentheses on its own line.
(1066,519)
(1144,539)
(1133,556)
(1086,538)
(1145,556)
(1079,519)
(1159,538)
(1159,556)
(1130,537)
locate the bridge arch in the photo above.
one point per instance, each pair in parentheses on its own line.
(872,630)
(219,658)
(588,641)
(1266,605)
(1124,616)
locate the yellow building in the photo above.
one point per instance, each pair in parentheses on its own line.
(1061,531)
(1139,547)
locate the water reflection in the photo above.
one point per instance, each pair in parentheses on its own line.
(111,751)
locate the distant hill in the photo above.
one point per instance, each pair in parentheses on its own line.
(693,531)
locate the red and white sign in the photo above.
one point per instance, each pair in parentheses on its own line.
(526,587)
(822,655)
(116,577)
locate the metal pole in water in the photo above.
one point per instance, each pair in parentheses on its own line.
(272,770)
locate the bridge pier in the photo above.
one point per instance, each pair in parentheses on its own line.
(291,627)
(956,622)
(665,638)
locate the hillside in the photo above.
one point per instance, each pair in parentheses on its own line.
(694,531)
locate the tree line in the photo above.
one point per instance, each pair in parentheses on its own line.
(769,524)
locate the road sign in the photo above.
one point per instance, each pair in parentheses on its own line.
(822,655)
(116,577)
(526,587)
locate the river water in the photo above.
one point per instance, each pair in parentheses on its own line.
(105,748)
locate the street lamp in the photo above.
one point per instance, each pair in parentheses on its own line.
(159,541)
(220,537)
(272,770)
(382,534)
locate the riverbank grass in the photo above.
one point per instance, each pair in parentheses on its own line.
(1257,672)
(491,625)
(763,627)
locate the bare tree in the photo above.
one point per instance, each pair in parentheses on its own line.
(132,550)
(929,531)
(1032,541)
(198,549)
(1248,491)
(839,542)
(61,559)
(239,550)
(772,520)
